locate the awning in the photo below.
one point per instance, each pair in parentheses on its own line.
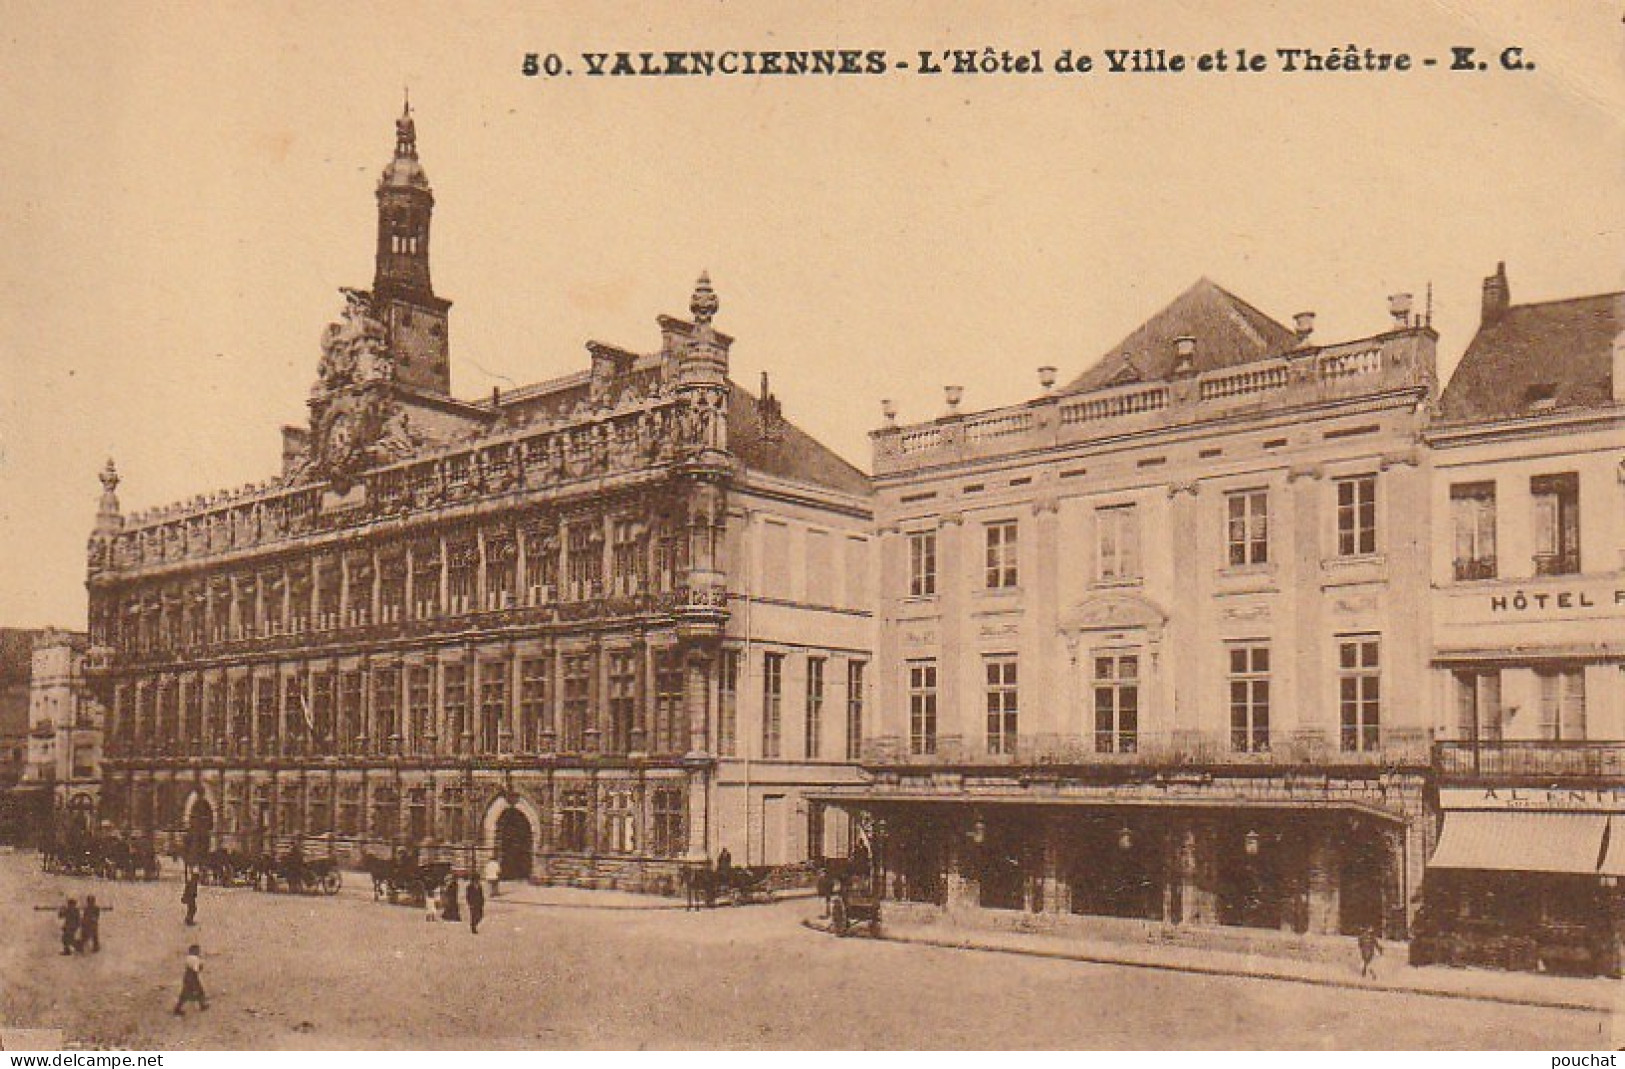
(1522,842)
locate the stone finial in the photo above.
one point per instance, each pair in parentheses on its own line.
(109,476)
(704,303)
(1046,377)
(888,409)
(953,395)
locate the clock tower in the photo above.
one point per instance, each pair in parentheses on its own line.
(402,295)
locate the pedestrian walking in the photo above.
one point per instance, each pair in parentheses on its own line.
(192,982)
(90,926)
(476,905)
(449,908)
(493,875)
(1370,947)
(70,917)
(189,896)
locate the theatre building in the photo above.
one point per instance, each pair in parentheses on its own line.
(1529,638)
(594,626)
(1152,645)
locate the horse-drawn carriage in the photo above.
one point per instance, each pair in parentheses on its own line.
(709,886)
(109,857)
(297,875)
(854,890)
(402,880)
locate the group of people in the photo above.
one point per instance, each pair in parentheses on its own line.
(81,927)
(444,905)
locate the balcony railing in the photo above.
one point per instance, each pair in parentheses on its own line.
(1470,568)
(1539,759)
(1176,749)
(1563,562)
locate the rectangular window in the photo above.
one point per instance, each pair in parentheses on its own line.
(772,703)
(728,703)
(320,812)
(814,724)
(922,564)
(1247,527)
(1118,543)
(352,696)
(922,707)
(854,710)
(1249,681)
(462,559)
(623,700)
(585,567)
(532,703)
(1478,705)
(349,809)
(321,710)
(451,814)
(265,707)
(626,557)
(1357,516)
(573,821)
(419,710)
(454,678)
(391,588)
(668,836)
(1117,701)
(670,726)
(1001,554)
(620,821)
(493,705)
(1003,704)
(1472,511)
(386,702)
(1557,523)
(1359,692)
(425,581)
(501,557)
(577,693)
(1562,704)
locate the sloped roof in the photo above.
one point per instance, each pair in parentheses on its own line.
(1558,349)
(1228,331)
(787,452)
(17,653)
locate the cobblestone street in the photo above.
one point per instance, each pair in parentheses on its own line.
(343,972)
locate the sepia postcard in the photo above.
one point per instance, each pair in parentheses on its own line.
(799,527)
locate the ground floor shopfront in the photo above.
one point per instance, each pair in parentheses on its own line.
(626,824)
(1296,854)
(1526,878)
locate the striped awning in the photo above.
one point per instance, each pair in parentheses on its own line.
(1523,842)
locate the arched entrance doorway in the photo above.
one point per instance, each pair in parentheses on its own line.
(199,827)
(513,843)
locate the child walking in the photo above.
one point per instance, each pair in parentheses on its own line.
(192,982)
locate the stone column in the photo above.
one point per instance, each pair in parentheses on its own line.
(1323,881)
(1315,703)
(1179,678)
(644,654)
(697,698)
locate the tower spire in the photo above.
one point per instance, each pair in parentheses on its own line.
(403,295)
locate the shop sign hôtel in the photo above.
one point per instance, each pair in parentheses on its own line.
(1549,799)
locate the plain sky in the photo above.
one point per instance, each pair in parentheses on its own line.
(184,187)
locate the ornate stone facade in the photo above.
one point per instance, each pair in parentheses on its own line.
(510,626)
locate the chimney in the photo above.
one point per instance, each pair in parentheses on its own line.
(772,416)
(1304,324)
(1184,355)
(1399,306)
(1497,296)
